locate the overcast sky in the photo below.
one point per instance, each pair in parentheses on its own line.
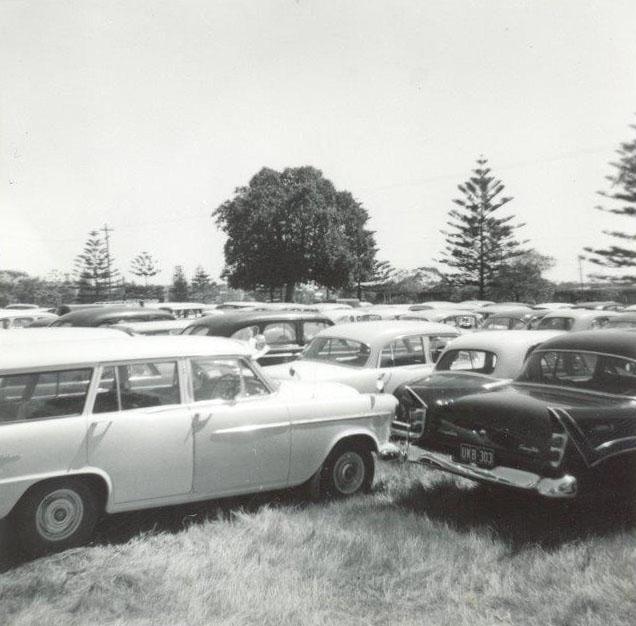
(146,115)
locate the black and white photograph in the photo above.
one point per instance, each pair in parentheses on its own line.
(318,312)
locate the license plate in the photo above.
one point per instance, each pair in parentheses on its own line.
(484,457)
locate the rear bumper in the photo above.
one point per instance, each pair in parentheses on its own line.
(562,487)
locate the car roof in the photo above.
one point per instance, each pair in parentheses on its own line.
(580,313)
(435,314)
(140,327)
(26,336)
(229,322)
(511,311)
(503,340)
(607,341)
(95,315)
(65,354)
(380,331)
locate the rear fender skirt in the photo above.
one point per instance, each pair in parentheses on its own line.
(588,454)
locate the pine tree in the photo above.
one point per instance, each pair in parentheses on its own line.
(92,270)
(144,266)
(179,289)
(200,284)
(479,242)
(623,184)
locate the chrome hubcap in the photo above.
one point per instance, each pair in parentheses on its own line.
(348,473)
(59,514)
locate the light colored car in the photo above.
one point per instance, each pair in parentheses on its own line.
(576,319)
(21,318)
(459,318)
(118,424)
(159,327)
(369,355)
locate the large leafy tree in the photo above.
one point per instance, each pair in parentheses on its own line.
(521,280)
(93,270)
(479,243)
(291,227)
(620,257)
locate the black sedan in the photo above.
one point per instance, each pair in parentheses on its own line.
(565,426)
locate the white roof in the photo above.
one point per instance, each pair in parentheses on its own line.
(153,326)
(64,354)
(503,340)
(34,336)
(381,331)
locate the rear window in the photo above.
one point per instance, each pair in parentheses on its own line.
(43,394)
(480,361)
(583,370)
(556,323)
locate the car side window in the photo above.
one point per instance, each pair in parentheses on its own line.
(403,351)
(437,344)
(246,333)
(43,394)
(196,330)
(279,333)
(136,386)
(215,378)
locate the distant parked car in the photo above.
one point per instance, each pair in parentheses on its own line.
(285,333)
(156,327)
(464,319)
(605,305)
(565,426)
(575,319)
(182,310)
(21,318)
(120,424)
(369,355)
(511,319)
(622,320)
(109,315)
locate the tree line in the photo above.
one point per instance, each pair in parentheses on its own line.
(292,228)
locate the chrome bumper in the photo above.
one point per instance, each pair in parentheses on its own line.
(562,487)
(390,452)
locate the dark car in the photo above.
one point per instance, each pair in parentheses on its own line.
(566,425)
(109,315)
(285,332)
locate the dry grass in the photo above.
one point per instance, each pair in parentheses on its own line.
(421,550)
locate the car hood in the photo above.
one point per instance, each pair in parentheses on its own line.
(308,371)
(299,390)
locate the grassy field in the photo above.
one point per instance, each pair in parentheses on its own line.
(422,549)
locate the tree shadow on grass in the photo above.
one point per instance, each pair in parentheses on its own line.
(520,519)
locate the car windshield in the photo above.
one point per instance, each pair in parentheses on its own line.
(583,370)
(337,350)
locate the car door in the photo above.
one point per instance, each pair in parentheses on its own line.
(242,432)
(140,430)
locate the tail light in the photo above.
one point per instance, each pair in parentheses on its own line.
(558,440)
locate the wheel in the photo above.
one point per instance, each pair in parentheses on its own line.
(56,515)
(349,469)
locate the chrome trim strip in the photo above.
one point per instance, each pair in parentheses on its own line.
(319,420)
(416,396)
(250,428)
(613,442)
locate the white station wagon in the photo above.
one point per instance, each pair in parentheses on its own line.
(120,423)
